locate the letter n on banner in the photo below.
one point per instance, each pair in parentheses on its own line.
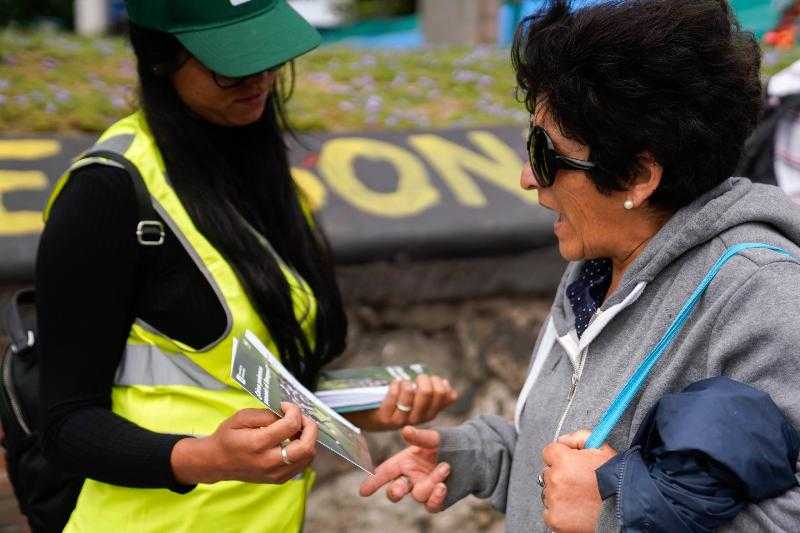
(501,168)
(414,194)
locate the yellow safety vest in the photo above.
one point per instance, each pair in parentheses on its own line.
(166,386)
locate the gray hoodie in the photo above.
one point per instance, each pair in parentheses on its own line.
(746,327)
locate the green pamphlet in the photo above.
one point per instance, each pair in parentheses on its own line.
(262,375)
(360,389)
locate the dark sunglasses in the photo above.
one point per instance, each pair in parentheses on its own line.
(546,162)
(229,82)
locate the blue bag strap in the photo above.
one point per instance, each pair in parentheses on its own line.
(628,392)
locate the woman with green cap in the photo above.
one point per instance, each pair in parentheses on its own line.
(136,330)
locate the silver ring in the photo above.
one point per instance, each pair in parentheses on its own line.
(403,408)
(285,454)
(540,479)
(543,504)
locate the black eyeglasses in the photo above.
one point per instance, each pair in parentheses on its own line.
(546,162)
(229,82)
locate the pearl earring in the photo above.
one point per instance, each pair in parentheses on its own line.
(628,204)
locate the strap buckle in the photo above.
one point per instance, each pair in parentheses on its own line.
(30,340)
(150,233)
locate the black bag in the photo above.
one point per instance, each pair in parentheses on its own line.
(46,495)
(758,155)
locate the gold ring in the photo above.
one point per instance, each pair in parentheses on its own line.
(403,408)
(285,454)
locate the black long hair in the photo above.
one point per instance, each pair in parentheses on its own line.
(232,178)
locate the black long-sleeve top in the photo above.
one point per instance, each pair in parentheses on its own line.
(92,280)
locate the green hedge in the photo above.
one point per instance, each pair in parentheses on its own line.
(55,81)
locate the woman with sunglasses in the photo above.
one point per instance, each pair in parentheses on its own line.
(143,283)
(639,112)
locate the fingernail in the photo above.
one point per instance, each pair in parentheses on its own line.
(446,383)
(444,469)
(440,491)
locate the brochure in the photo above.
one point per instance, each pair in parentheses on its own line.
(262,375)
(360,389)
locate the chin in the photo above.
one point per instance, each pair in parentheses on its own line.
(245,119)
(570,252)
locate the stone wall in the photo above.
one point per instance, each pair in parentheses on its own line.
(483,347)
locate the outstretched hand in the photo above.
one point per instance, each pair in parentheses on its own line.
(407,402)
(413,471)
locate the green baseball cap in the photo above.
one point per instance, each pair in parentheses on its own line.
(231,37)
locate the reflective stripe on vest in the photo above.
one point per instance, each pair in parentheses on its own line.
(166,386)
(147,365)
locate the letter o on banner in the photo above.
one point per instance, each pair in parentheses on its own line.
(414,193)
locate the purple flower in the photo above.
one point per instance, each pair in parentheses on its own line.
(463,76)
(49,63)
(104,47)
(97,83)
(373,104)
(2,99)
(320,77)
(3,84)
(426,82)
(127,68)
(21,99)
(368,61)
(60,94)
(65,44)
(364,81)
(50,108)
(118,101)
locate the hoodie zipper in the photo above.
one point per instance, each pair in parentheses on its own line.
(576,377)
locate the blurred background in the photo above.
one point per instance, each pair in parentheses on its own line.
(442,259)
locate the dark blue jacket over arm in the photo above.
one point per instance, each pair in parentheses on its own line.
(700,457)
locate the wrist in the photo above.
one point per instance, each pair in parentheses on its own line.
(369,420)
(192,461)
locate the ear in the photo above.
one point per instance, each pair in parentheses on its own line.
(646,181)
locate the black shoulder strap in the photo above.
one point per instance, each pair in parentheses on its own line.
(22,339)
(149,230)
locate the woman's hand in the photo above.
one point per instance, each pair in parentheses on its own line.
(571,498)
(407,402)
(248,447)
(413,470)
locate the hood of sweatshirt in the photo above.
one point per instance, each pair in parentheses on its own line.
(735,202)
